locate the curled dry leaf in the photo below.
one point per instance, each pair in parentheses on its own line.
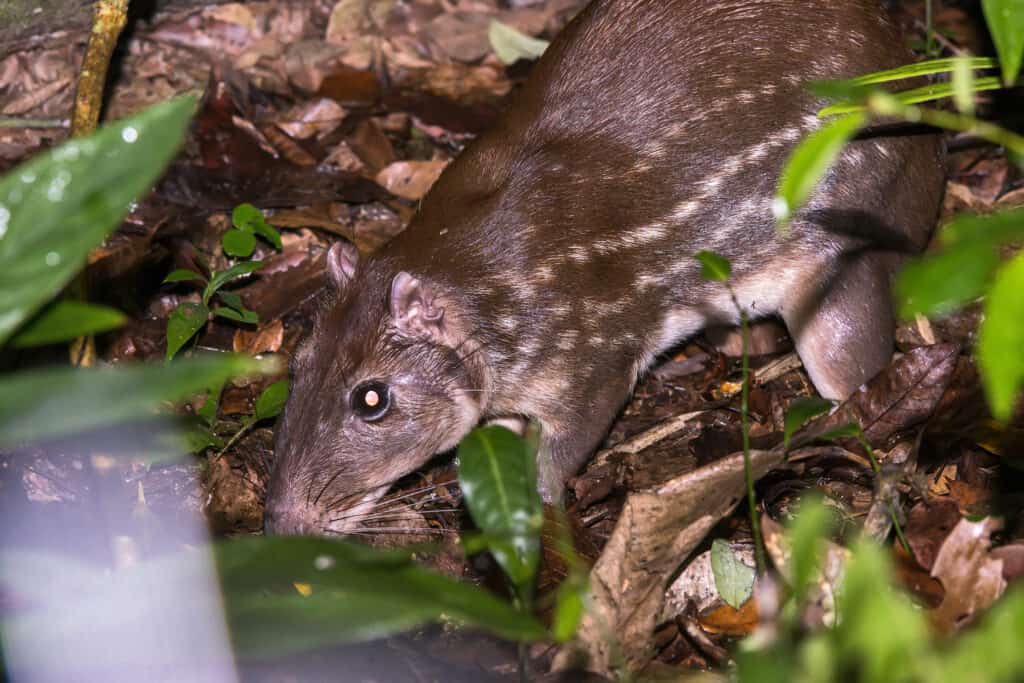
(901,396)
(314,117)
(972,577)
(265,339)
(656,530)
(410,179)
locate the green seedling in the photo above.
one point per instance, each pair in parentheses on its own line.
(189,317)
(248,222)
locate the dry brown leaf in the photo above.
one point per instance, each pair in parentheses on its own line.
(972,577)
(265,339)
(314,117)
(657,529)
(410,179)
(901,396)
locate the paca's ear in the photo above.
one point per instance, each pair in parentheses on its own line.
(415,308)
(342,258)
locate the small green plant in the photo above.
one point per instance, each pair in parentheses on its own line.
(879,636)
(268,406)
(189,317)
(248,222)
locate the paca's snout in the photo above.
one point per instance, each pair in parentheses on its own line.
(282,517)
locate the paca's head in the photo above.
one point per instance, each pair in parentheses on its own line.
(383,383)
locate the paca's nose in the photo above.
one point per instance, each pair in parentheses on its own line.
(285,519)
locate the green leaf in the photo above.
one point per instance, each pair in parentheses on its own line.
(713,266)
(246,216)
(58,401)
(940,283)
(238,243)
(963,87)
(733,579)
(570,602)
(234,301)
(183,275)
(358,593)
(272,400)
(185,321)
(1001,339)
(233,273)
(65,320)
(926,68)
(851,430)
(64,202)
(808,163)
(805,535)
(208,411)
(246,317)
(1005,19)
(269,233)
(925,93)
(961,271)
(511,45)
(498,481)
(802,410)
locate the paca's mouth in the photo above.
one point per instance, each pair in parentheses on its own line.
(352,514)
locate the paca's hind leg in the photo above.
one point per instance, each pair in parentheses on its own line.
(843,326)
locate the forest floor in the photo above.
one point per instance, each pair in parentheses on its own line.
(335,121)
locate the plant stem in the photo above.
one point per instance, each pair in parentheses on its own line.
(929,47)
(242,431)
(892,508)
(748,470)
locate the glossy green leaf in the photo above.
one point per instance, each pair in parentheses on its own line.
(713,266)
(272,400)
(850,430)
(54,402)
(358,593)
(497,475)
(247,217)
(183,275)
(802,410)
(238,243)
(65,320)
(184,322)
(233,273)
(1001,339)
(1005,19)
(809,162)
(995,229)
(510,45)
(64,202)
(246,317)
(733,579)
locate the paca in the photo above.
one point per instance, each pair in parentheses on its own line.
(554,258)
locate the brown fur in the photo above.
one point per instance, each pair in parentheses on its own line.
(559,246)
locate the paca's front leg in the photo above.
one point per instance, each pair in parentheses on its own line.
(570,436)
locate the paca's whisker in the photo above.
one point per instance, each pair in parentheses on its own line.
(396,531)
(330,481)
(362,519)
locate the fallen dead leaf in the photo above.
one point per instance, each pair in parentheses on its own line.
(901,396)
(265,339)
(971,576)
(656,530)
(410,179)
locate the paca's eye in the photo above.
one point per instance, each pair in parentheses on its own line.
(371,400)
